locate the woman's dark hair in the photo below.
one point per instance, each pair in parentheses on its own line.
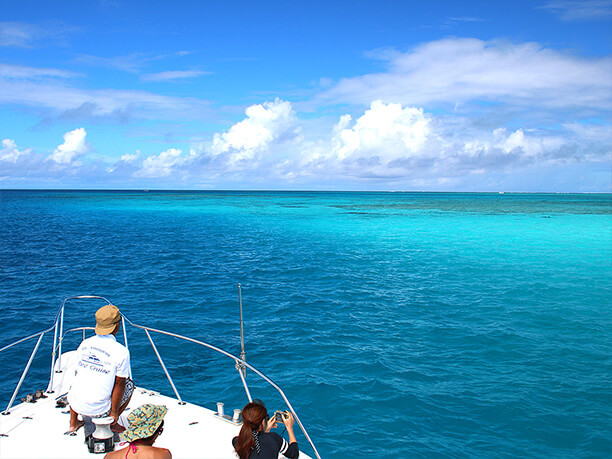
(150,440)
(253,414)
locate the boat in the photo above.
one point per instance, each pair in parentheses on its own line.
(37,426)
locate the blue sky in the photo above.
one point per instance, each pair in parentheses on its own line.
(333,95)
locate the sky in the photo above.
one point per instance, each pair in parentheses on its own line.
(400,95)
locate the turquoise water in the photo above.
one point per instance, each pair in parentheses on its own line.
(398,324)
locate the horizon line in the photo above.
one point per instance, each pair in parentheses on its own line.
(149,190)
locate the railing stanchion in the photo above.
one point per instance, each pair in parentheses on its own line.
(241,372)
(242,351)
(50,386)
(23,375)
(61,339)
(298,421)
(58,336)
(124,333)
(242,362)
(181,402)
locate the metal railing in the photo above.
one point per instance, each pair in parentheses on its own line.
(56,355)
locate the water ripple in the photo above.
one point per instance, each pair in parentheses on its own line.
(398,324)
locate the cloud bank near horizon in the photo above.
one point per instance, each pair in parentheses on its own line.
(387,143)
(448,114)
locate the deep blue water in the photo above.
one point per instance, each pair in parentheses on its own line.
(398,324)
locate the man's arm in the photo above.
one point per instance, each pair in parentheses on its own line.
(116,397)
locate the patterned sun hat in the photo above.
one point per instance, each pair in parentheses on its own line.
(144,421)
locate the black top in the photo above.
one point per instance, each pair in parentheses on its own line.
(270,444)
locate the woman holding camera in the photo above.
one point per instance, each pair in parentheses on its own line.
(255,441)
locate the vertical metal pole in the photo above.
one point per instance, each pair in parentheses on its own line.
(124,334)
(181,402)
(240,368)
(53,354)
(242,352)
(125,341)
(61,338)
(23,375)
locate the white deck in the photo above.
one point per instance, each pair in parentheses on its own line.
(36,430)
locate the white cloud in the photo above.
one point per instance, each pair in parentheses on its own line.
(10,152)
(17,34)
(23,35)
(455,71)
(173,75)
(49,93)
(386,146)
(31,73)
(501,145)
(465,19)
(131,63)
(404,144)
(161,165)
(384,130)
(81,104)
(126,166)
(580,10)
(130,158)
(264,124)
(591,132)
(73,147)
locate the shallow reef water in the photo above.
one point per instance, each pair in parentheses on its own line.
(398,324)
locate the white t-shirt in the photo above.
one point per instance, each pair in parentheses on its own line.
(99,359)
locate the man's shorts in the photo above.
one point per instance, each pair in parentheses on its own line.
(127,394)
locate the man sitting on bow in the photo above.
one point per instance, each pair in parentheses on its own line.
(102,385)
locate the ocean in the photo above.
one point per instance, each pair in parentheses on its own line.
(398,324)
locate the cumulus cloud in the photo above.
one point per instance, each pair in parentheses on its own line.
(126,166)
(162,165)
(384,130)
(505,147)
(455,71)
(73,147)
(392,144)
(10,152)
(26,167)
(265,124)
(385,146)
(130,157)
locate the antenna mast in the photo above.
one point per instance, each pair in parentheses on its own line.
(242,351)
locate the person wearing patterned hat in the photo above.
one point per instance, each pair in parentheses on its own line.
(146,424)
(255,441)
(102,384)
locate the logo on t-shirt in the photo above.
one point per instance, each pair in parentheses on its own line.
(93,363)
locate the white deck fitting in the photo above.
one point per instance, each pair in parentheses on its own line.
(36,430)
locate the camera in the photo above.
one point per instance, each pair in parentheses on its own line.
(280,415)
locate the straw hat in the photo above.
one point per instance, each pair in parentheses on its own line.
(106,319)
(144,421)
